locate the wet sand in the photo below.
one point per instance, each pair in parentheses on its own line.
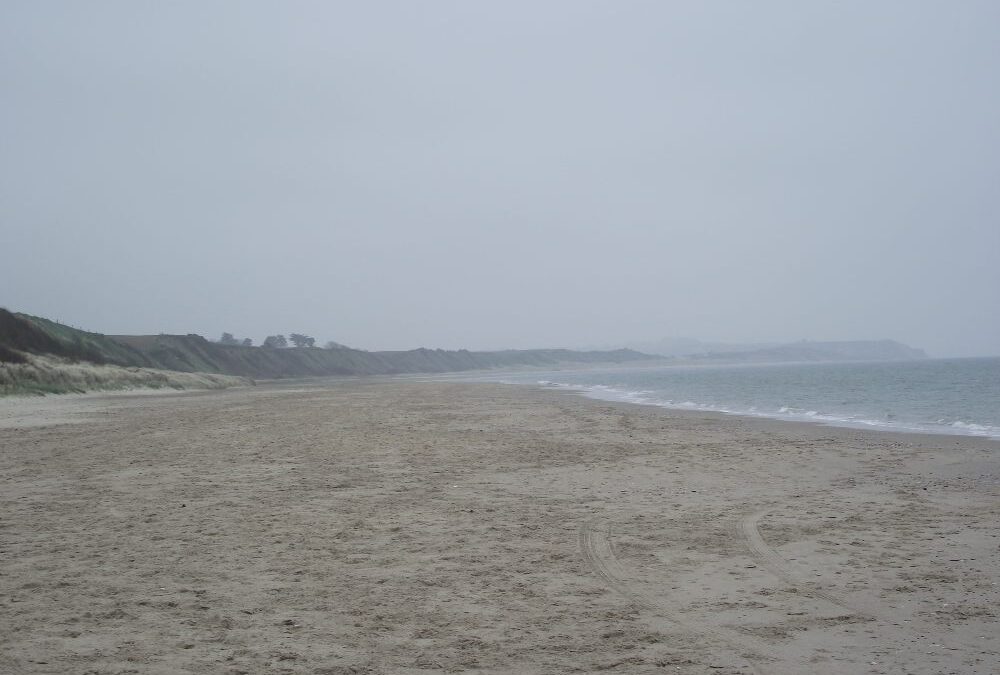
(405,527)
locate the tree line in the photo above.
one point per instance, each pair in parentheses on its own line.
(278,341)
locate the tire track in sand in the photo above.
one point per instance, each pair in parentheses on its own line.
(595,544)
(773,562)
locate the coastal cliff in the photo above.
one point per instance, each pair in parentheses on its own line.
(25,339)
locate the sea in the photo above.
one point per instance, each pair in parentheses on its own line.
(938,396)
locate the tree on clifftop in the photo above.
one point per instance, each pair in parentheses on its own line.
(228,339)
(247,342)
(275,341)
(300,340)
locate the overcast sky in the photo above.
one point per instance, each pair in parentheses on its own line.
(505,174)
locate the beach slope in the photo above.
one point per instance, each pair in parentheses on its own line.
(386,526)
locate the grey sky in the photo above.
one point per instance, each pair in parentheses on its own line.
(505,174)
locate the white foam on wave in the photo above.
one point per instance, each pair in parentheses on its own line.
(787,413)
(977,429)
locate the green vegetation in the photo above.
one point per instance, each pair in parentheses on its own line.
(35,335)
(22,336)
(56,375)
(300,340)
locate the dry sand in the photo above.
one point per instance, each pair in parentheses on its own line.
(407,527)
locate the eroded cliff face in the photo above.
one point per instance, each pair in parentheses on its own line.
(22,335)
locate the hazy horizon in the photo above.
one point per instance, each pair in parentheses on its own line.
(643,344)
(457,175)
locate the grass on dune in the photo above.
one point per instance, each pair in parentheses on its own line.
(42,375)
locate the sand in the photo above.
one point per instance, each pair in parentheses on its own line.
(368,526)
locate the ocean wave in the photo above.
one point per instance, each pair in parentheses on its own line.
(786,413)
(977,429)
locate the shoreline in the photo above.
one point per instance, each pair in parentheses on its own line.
(968,430)
(645,393)
(35,407)
(390,526)
(581,392)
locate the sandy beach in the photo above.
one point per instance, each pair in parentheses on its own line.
(380,526)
